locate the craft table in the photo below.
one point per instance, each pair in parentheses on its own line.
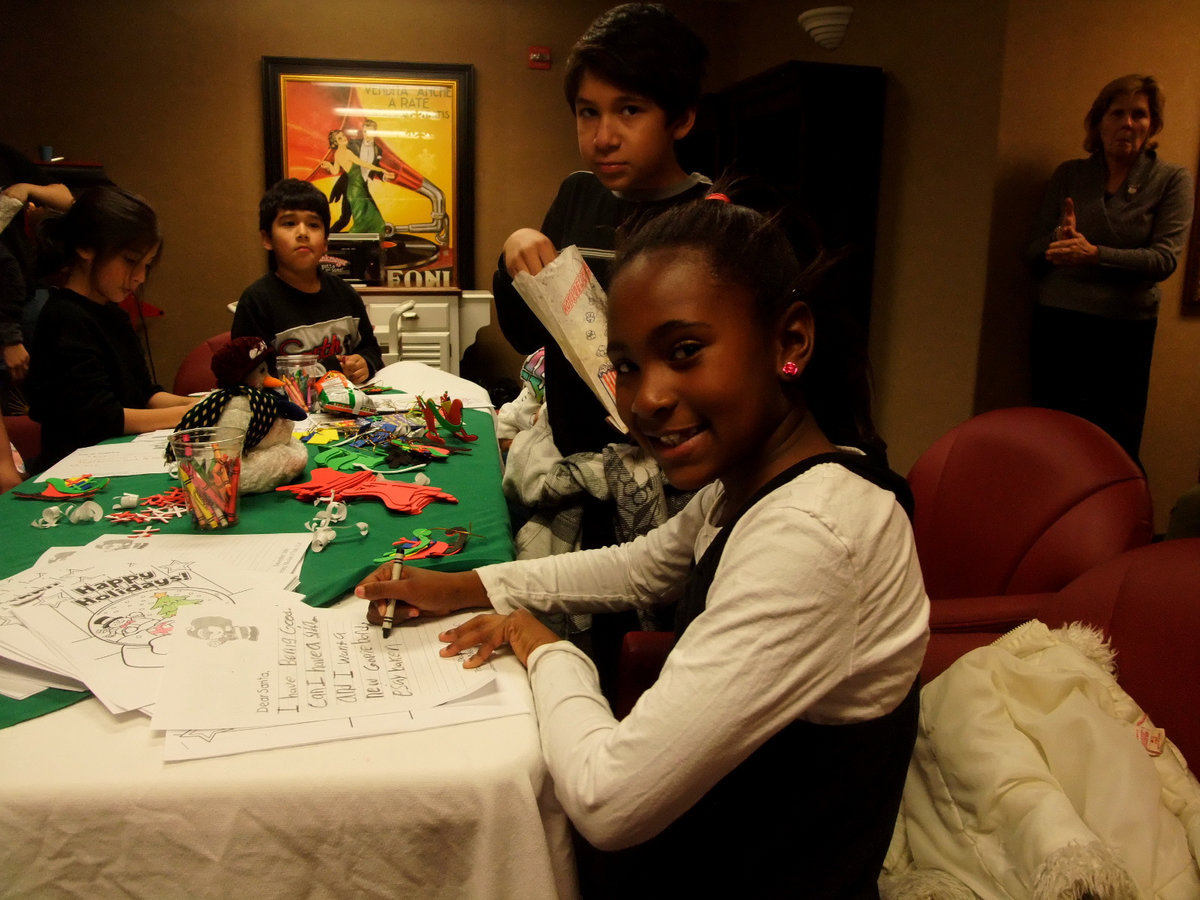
(89,808)
(472,477)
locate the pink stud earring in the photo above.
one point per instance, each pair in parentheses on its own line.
(790,369)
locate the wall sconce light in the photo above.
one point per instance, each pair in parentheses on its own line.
(827,24)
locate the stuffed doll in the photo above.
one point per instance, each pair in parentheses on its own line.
(271,454)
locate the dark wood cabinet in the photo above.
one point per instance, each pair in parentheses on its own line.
(814,131)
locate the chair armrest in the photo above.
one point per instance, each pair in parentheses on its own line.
(988,614)
(642,656)
(947,646)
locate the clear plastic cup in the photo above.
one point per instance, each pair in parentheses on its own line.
(210,465)
(300,373)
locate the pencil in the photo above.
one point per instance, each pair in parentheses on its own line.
(389,618)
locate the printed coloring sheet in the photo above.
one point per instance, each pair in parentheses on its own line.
(507,696)
(275,553)
(259,665)
(108,615)
(282,553)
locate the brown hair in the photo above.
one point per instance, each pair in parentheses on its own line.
(105,219)
(1127,84)
(645,49)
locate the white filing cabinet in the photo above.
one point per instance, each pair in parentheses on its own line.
(429,325)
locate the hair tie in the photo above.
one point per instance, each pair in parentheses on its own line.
(716,195)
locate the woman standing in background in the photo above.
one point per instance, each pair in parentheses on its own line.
(1111,227)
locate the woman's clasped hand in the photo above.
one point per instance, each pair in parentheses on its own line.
(1069,247)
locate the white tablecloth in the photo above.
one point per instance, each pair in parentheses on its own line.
(418,378)
(89,809)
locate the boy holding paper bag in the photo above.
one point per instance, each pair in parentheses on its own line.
(632,82)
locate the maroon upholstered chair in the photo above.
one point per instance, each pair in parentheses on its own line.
(1015,503)
(1147,601)
(1010,507)
(26,436)
(195,372)
(642,656)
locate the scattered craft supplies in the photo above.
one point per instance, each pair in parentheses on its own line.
(88,511)
(81,487)
(398,496)
(324,528)
(423,546)
(447,413)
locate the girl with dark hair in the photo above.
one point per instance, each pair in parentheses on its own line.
(88,380)
(771,753)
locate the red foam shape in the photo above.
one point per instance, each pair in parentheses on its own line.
(398,496)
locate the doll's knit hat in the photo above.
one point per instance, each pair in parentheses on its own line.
(237,359)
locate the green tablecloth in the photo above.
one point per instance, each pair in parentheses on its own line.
(14,711)
(474,478)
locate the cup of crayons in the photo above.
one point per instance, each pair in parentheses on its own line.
(210,463)
(300,373)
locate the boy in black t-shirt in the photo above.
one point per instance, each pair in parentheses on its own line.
(633,83)
(297,307)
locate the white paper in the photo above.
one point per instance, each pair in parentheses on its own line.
(17,642)
(568,300)
(279,553)
(416,378)
(19,681)
(294,663)
(501,698)
(139,457)
(161,436)
(111,620)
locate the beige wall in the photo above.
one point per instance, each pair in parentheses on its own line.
(942,98)
(1053,69)
(984,98)
(168,96)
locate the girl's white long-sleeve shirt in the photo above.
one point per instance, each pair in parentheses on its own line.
(817,611)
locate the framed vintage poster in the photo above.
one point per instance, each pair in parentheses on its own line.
(392,147)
